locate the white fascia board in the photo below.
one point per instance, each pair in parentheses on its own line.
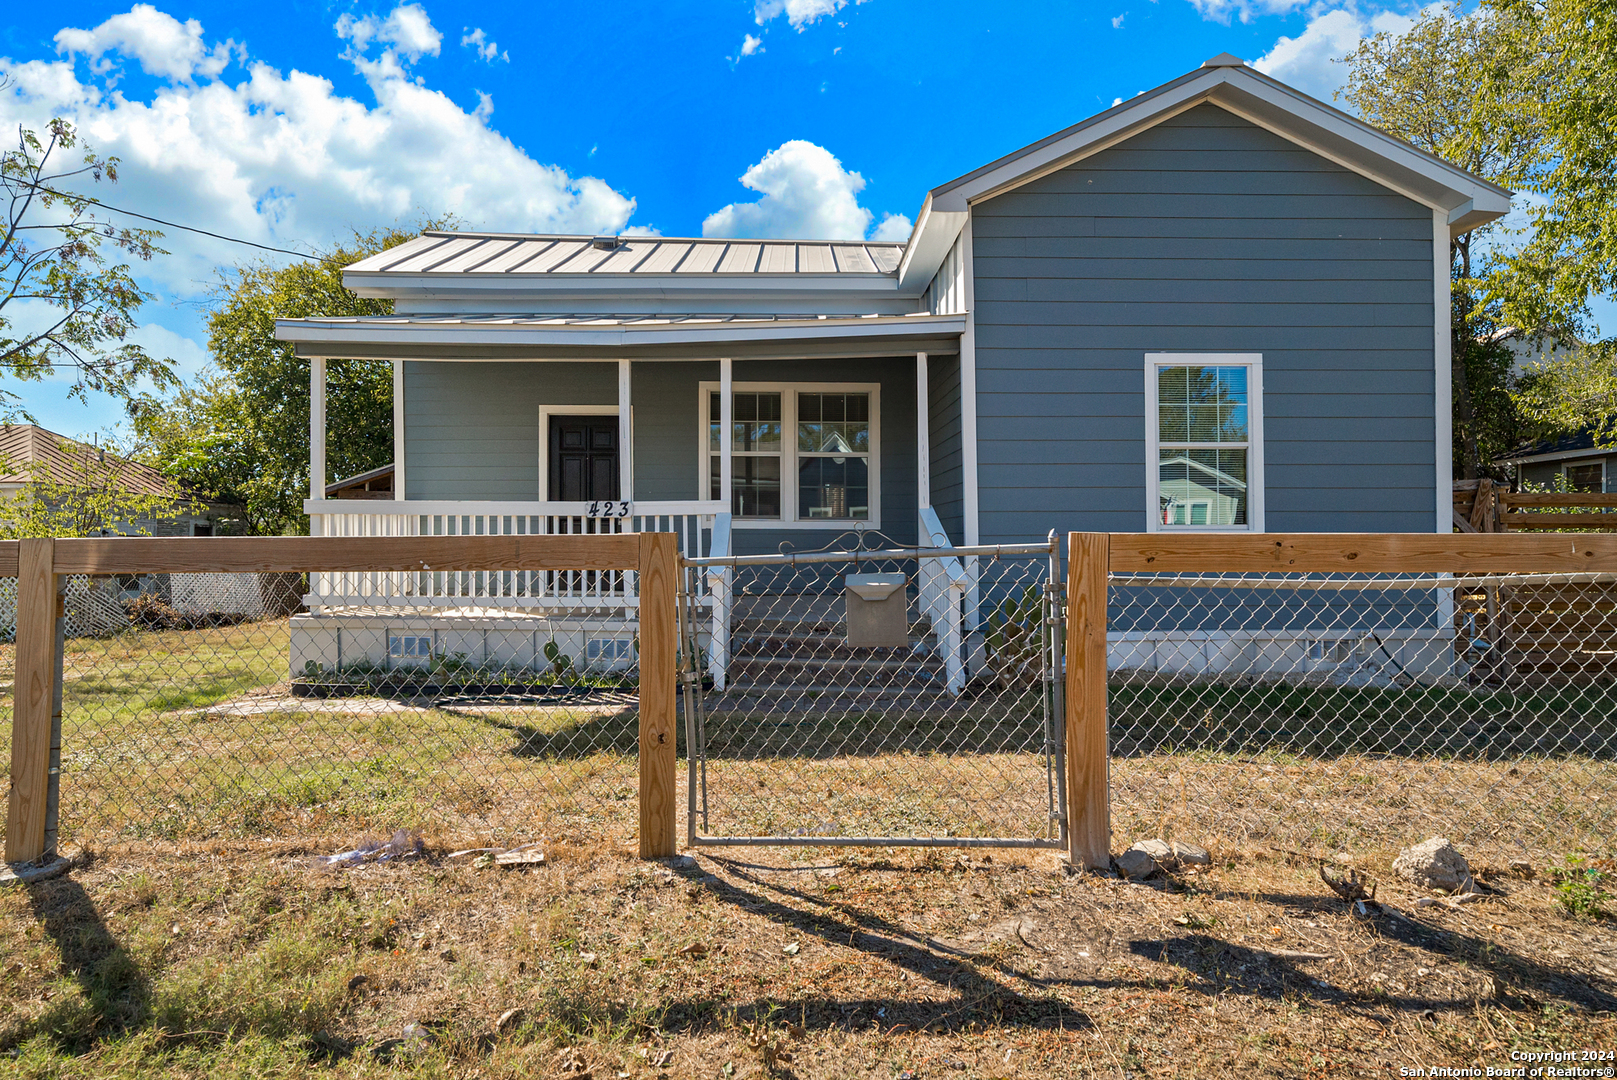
(1560,455)
(452,333)
(1269,104)
(1096,133)
(1357,146)
(934,234)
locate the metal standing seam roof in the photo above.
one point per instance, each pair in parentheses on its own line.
(507,253)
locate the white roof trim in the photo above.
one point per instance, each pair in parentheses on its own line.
(594,330)
(1559,455)
(1468,200)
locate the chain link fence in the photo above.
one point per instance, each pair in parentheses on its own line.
(875,695)
(211,711)
(1368,711)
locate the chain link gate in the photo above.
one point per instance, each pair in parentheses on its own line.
(873,694)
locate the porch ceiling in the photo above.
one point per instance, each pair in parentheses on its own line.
(609,337)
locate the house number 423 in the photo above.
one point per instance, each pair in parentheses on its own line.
(606,508)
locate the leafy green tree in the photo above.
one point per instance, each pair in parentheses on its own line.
(56,253)
(1465,88)
(1567,54)
(97,493)
(241,432)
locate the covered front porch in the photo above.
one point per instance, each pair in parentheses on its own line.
(835,425)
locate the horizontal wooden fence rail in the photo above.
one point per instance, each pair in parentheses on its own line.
(1364,553)
(40,565)
(273,554)
(1483,507)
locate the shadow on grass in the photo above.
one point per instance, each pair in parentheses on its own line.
(810,735)
(1169,714)
(1225,967)
(1220,720)
(978,997)
(115,993)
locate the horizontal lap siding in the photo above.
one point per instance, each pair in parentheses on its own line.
(1203,234)
(472,429)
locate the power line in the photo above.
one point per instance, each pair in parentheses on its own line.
(171,224)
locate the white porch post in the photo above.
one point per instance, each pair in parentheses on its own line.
(719,582)
(398,429)
(726,423)
(923,436)
(625,434)
(317,434)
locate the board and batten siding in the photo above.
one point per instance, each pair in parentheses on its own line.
(1204,233)
(943,427)
(472,429)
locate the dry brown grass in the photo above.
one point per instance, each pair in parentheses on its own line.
(231,959)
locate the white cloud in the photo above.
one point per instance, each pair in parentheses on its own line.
(1117,21)
(807,195)
(799,13)
(750,45)
(1245,10)
(189,357)
(893,227)
(285,160)
(1310,61)
(159,42)
(485,106)
(406,28)
(485,48)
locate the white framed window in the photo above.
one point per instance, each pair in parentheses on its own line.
(1585,476)
(1204,442)
(804,455)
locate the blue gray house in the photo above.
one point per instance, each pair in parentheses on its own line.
(1220,305)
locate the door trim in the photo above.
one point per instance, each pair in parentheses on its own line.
(547,411)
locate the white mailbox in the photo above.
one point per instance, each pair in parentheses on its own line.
(878,610)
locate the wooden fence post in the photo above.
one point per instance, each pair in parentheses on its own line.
(1089,822)
(659,563)
(33,695)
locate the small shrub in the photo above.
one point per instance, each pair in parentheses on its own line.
(1579,888)
(148,612)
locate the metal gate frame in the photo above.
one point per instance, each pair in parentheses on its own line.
(1052,651)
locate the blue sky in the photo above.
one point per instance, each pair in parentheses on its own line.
(292,123)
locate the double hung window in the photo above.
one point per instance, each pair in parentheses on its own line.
(803,454)
(1204,427)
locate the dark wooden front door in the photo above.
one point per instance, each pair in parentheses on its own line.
(583,458)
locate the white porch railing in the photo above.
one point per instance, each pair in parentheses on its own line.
(942,587)
(691,520)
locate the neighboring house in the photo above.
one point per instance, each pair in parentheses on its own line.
(372,484)
(44,465)
(1528,351)
(1577,461)
(29,453)
(1220,305)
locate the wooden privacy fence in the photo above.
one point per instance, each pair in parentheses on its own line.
(1481,506)
(39,564)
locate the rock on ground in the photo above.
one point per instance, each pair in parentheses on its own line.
(1136,863)
(1434,864)
(1171,855)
